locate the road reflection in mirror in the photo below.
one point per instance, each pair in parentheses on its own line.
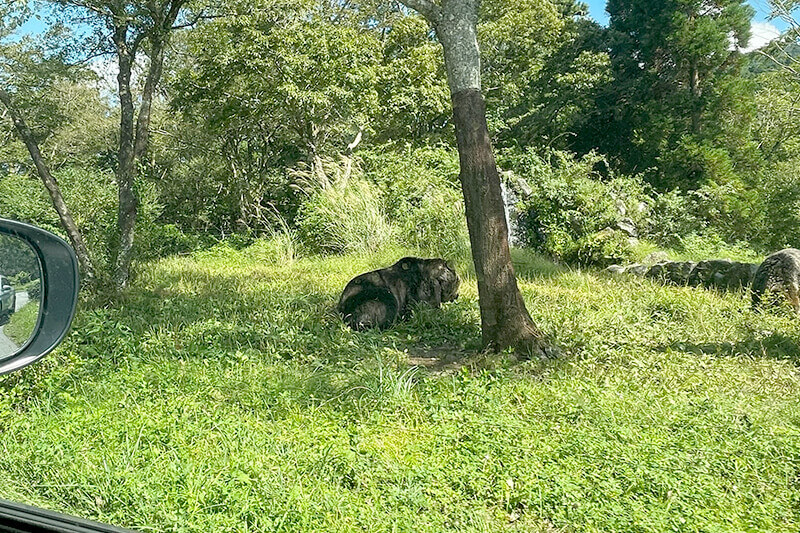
(20,294)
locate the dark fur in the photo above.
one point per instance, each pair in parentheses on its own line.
(780,275)
(377,299)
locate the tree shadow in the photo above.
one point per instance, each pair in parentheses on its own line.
(531,265)
(772,345)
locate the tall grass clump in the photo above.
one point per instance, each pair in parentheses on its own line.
(343,213)
(438,227)
(423,198)
(279,245)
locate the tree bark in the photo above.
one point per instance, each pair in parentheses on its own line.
(64,215)
(696,92)
(126,169)
(505,322)
(134,136)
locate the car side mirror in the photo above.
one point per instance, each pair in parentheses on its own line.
(41,270)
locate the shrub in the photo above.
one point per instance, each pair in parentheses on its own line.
(408,175)
(602,249)
(780,187)
(92,197)
(157,240)
(34,289)
(423,198)
(438,226)
(408,196)
(572,211)
(673,215)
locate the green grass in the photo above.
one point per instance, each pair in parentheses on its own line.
(22,323)
(224,394)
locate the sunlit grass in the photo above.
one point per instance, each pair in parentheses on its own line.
(224,394)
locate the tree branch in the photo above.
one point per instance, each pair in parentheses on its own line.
(426,8)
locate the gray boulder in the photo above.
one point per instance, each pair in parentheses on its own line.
(656,257)
(627,227)
(615,270)
(636,269)
(674,272)
(722,274)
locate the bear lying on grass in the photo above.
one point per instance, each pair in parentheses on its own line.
(376,299)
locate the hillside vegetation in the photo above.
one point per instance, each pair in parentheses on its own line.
(224,394)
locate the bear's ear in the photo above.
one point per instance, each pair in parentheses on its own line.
(405,266)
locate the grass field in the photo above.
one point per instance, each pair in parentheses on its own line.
(224,394)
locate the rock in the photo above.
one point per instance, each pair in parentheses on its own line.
(636,269)
(519,185)
(722,274)
(622,209)
(675,272)
(615,270)
(656,257)
(703,273)
(627,226)
(605,233)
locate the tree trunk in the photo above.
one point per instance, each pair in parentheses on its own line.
(64,215)
(505,321)
(126,170)
(133,144)
(696,92)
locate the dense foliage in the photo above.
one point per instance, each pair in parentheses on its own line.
(261,99)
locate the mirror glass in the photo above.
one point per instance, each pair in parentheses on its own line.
(20,293)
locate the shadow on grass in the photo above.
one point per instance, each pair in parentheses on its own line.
(284,318)
(773,345)
(531,265)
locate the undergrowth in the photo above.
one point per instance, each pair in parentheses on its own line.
(224,394)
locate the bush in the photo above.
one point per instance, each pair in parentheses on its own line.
(438,226)
(780,187)
(34,289)
(573,212)
(603,248)
(92,198)
(673,215)
(409,197)
(423,198)
(157,240)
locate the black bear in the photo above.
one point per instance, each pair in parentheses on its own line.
(779,274)
(376,299)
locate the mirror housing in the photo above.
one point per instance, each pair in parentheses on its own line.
(60,283)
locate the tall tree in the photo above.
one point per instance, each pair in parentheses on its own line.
(127,30)
(19,61)
(505,321)
(785,51)
(277,85)
(675,64)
